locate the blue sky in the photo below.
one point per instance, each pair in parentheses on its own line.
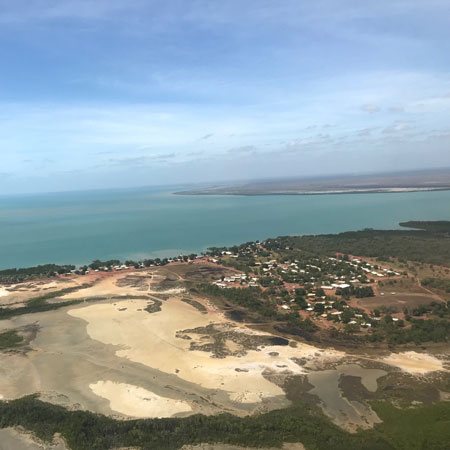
(119,93)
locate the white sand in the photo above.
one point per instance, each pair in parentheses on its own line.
(414,363)
(135,401)
(150,339)
(3,291)
(104,287)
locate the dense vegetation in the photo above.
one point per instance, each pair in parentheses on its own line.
(428,247)
(29,273)
(436,226)
(9,339)
(426,427)
(357,291)
(421,331)
(250,298)
(7,313)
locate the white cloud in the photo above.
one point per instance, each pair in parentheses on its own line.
(370,108)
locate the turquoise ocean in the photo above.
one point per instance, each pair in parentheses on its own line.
(78,227)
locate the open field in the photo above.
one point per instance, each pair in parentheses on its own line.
(397,301)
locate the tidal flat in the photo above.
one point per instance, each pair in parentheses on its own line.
(114,354)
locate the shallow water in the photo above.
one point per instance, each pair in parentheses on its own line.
(341,410)
(78,227)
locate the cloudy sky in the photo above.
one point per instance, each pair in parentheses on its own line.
(119,93)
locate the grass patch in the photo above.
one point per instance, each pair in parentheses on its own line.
(424,428)
(7,313)
(153,307)
(10,339)
(42,299)
(39,304)
(195,304)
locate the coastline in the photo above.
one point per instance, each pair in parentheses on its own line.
(389,190)
(86,227)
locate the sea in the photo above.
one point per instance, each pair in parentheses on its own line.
(78,227)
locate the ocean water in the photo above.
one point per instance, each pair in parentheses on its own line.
(78,227)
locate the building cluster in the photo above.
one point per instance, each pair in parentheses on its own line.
(321,288)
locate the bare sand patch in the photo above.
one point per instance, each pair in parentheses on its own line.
(414,363)
(18,376)
(116,285)
(135,401)
(3,291)
(150,339)
(246,397)
(104,287)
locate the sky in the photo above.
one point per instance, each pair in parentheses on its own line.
(118,93)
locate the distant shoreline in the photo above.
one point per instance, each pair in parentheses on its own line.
(428,180)
(387,190)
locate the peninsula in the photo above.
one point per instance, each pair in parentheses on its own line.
(427,180)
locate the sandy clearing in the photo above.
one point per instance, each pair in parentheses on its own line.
(414,363)
(3,291)
(18,376)
(105,287)
(150,339)
(135,401)
(64,361)
(108,287)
